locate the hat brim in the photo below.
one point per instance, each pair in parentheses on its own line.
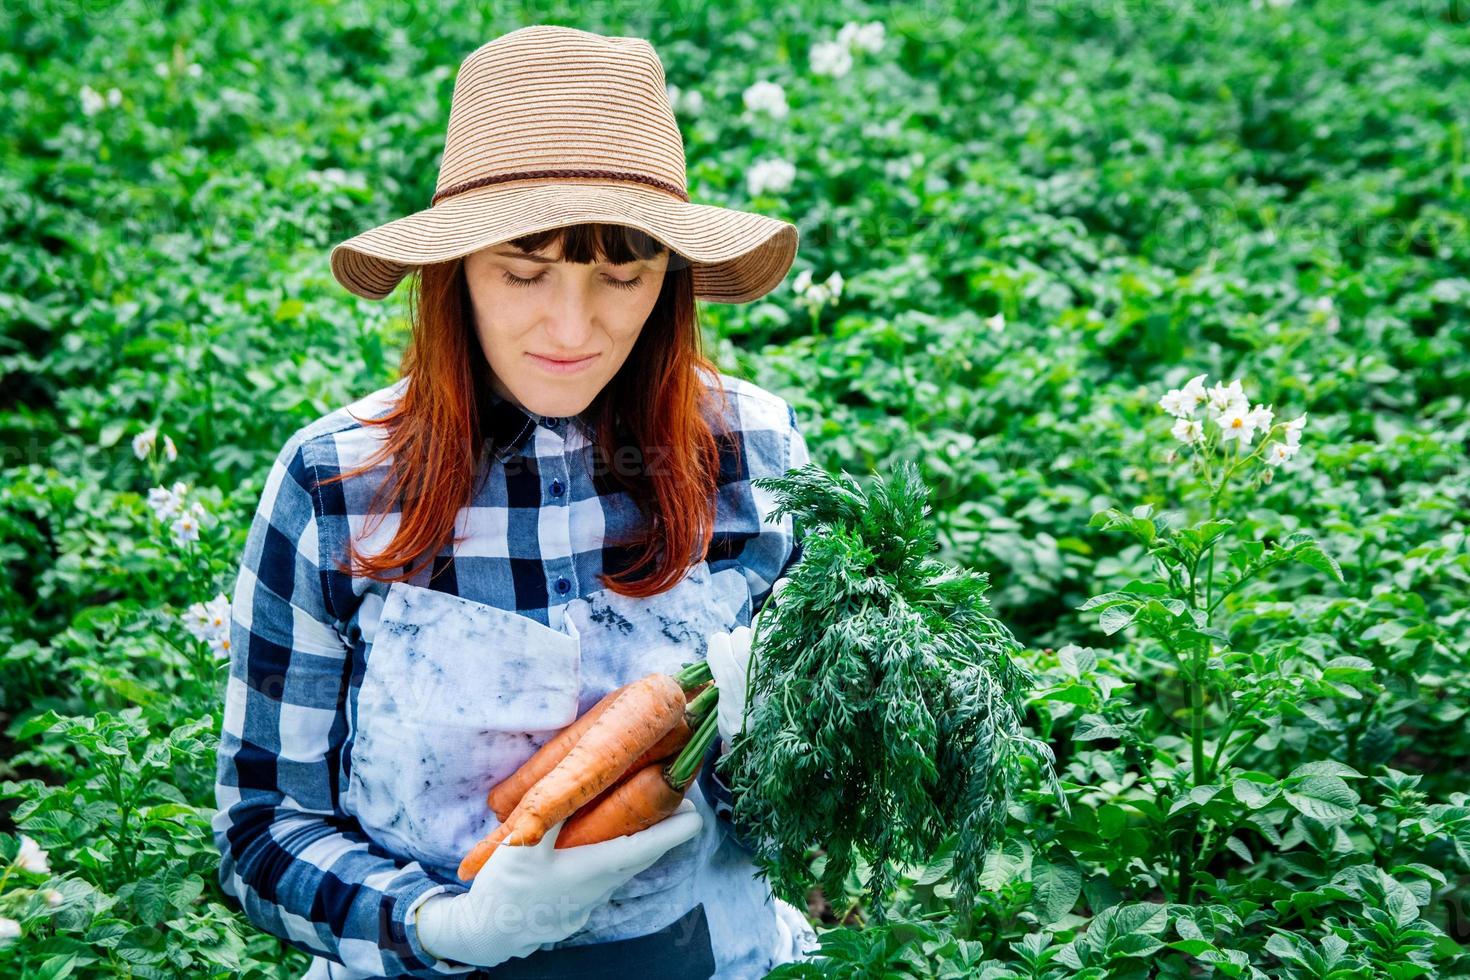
(736,256)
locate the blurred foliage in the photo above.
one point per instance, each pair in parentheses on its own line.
(1045,216)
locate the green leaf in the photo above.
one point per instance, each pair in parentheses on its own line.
(1237,846)
(1253,794)
(1004,864)
(57,967)
(1324,798)
(289,309)
(1092,727)
(1072,694)
(1056,885)
(1326,767)
(1116,618)
(1077,661)
(112,432)
(1351,670)
(1307,551)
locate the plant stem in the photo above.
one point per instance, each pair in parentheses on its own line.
(693,675)
(1230,724)
(1197,714)
(703,702)
(680,773)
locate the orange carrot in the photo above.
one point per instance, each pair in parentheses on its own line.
(481,852)
(505,794)
(652,794)
(641,715)
(701,701)
(664,751)
(637,804)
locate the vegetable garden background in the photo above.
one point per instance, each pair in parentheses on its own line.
(1044,219)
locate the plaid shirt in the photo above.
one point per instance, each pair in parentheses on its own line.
(301,867)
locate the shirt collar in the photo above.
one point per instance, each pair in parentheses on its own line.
(509,427)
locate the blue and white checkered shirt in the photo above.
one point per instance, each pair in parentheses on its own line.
(301,866)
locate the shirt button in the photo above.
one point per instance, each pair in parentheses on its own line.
(557,488)
(562,585)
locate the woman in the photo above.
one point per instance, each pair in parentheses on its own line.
(553,500)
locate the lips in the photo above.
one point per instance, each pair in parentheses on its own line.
(563,360)
(556,366)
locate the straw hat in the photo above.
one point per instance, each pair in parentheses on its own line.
(555,126)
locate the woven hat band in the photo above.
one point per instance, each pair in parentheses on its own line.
(564,173)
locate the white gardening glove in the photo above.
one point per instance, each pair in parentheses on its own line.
(729,660)
(524,897)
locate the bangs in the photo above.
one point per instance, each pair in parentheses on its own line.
(598,242)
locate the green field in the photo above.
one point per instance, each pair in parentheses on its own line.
(1045,217)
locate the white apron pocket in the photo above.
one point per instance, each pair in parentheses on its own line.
(455,695)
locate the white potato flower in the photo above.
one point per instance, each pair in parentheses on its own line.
(31,857)
(1235,424)
(1226,398)
(168,502)
(1188,431)
(770,176)
(862,37)
(9,930)
(144,442)
(1181,402)
(814,296)
(1260,418)
(53,898)
(831,58)
(766,97)
(685,102)
(996,323)
(1279,452)
(1294,429)
(186,526)
(208,620)
(170,451)
(92,101)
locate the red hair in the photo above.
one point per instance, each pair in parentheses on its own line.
(657,400)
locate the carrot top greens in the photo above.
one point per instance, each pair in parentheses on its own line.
(887,703)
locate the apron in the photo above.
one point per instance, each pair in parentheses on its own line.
(456,694)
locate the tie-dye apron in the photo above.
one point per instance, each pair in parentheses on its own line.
(456,694)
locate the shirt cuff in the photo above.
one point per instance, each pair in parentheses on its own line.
(404,931)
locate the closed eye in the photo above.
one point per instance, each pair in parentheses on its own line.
(514,280)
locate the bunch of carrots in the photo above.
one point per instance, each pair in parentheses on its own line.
(621,767)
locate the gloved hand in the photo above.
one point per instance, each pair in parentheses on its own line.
(729,660)
(524,897)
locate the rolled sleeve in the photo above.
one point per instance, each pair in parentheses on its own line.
(300,867)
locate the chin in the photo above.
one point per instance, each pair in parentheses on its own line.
(552,406)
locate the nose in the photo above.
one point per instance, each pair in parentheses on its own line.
(569,317)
